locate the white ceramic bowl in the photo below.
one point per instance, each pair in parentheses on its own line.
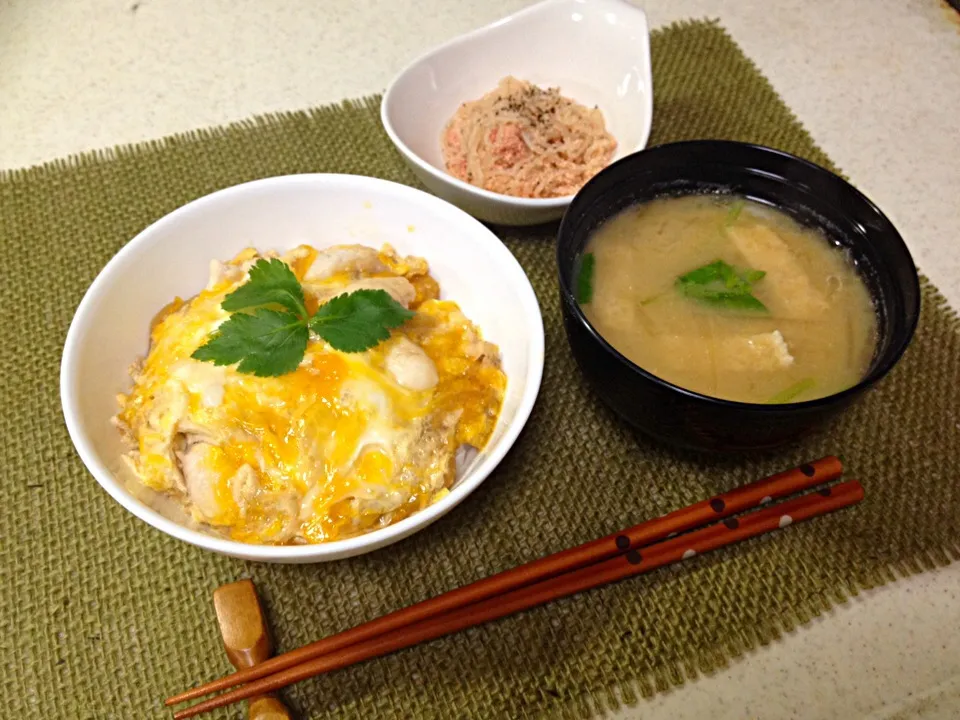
(596,51)
(172,256)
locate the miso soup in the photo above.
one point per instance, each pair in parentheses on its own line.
(728,298)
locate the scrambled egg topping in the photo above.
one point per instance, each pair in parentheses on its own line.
(345,444)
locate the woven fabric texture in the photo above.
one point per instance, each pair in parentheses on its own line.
(102,616)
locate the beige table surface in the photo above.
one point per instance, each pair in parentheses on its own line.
(877,83)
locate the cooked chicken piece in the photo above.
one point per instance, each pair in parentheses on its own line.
(234,269)
(479,349)
(285,506)
(221,272)
(306,509)
(244,486)
(157,438)
(245,489)
(355,259)
(398,288)
(126,434)
(408,265)
(474,346)
(410,366)
(200,480)
(430,462)
(789,293)
(299,253)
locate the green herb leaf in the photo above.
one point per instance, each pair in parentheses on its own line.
(268,332)
(733,213)
(722,285)
(711,272)
(788,394)
(271,282)
(358,321)
(730,299)
(265,342)
(742,302)
(585,278)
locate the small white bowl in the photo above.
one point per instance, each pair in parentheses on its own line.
(171,258)
(596,51)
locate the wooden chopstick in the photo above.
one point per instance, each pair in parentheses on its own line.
(724,505)
(743,498)
(631,563)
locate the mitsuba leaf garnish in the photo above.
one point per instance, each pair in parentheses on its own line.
(269,328)
(358,321)
(265,343)
(722,285)
(585,278)
(271,282)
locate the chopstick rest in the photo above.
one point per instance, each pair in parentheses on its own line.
(246,640)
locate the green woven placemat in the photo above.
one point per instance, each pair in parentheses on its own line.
(103,616)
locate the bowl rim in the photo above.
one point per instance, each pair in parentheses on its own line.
(86,312)
(875,374)
(542,204)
